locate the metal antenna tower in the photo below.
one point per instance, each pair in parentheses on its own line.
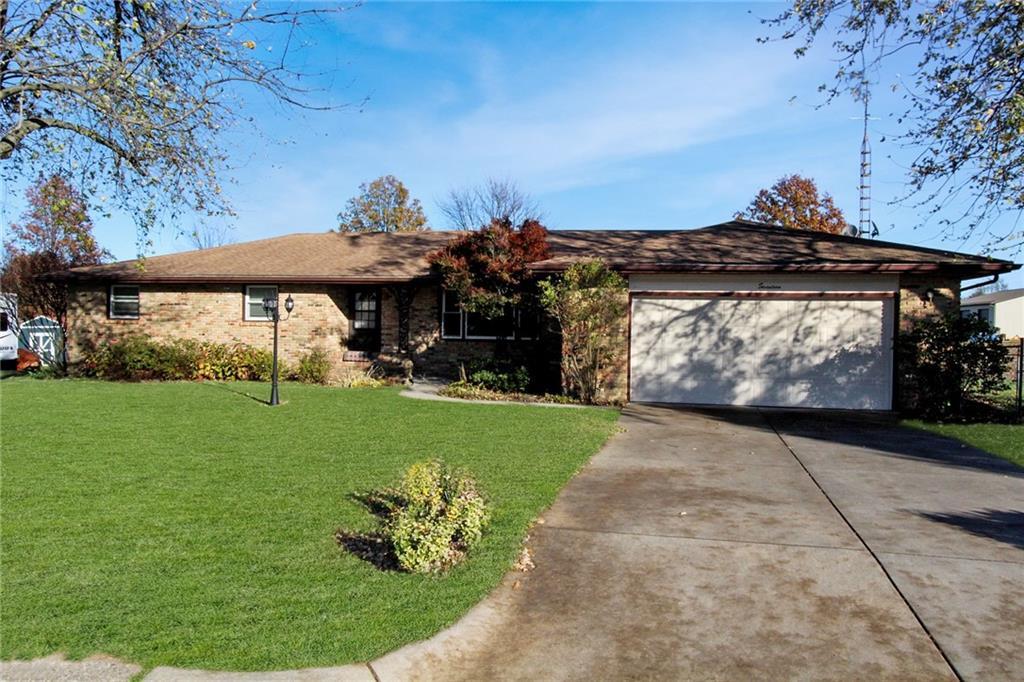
(865,226)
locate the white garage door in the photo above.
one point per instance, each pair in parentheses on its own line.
(830,353)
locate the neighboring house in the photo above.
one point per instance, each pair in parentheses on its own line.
(738,313)
(1004,310)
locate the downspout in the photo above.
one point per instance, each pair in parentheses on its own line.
(995,278)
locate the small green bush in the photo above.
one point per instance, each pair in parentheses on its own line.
(314,367)
(437,514)
(498,377)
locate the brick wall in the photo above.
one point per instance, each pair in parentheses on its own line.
(922,296)
(213,313)
(915,292)
(319,320)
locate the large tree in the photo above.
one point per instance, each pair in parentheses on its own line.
(794,201)
(133,96)
(210,235)
(54,234)
(964,96)
(383,205)
(471,208)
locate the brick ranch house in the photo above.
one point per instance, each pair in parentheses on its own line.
(737,314)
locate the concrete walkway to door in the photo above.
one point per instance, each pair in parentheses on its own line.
(698,544)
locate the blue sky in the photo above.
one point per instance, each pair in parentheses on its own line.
(613,115)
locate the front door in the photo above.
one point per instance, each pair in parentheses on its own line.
(364,320)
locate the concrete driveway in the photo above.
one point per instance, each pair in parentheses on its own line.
(726,544)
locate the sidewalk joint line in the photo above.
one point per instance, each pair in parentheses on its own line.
(874,555)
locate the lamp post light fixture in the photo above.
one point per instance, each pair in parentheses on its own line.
(274,313)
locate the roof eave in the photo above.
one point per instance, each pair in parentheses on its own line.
(961,269)
(143,278)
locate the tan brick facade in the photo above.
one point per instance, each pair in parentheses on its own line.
(927,295)
(320,320)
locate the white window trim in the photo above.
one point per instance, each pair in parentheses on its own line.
(248,300)
(110,301)
(462,319)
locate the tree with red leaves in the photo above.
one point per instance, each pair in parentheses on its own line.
(794,202)
(55,234)
(489,267)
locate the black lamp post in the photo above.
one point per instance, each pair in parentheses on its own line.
(270,305)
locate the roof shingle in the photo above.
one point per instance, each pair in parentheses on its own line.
(402,256)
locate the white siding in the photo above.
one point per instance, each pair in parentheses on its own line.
(1010,316)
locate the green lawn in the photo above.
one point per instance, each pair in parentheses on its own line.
(190,525)
(1004,440)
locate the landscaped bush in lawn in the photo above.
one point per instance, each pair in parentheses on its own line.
(438,516)
(434,516)
(314,367)
(139,358)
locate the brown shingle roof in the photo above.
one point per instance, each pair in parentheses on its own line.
(391,257)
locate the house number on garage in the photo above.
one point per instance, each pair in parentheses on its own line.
(768,285)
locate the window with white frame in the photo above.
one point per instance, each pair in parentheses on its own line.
(456,323)
(123,302)
(984,313)
(451,316)
(254,295)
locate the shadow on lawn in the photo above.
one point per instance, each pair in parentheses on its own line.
(229,389)
(371,547)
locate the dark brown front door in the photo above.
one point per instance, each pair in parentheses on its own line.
(364,320)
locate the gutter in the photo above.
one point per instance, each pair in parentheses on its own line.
(995,278)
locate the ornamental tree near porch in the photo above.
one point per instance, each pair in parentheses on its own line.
(589,303)
(489,268)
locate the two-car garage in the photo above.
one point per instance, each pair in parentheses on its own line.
(787,340)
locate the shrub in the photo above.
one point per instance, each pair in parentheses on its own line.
(466,391)
(314,367)
(589,303)
(437,514)
(138,358)
(948,361)
(498,378)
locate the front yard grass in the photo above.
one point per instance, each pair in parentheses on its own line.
(191,525)
(1003,440)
